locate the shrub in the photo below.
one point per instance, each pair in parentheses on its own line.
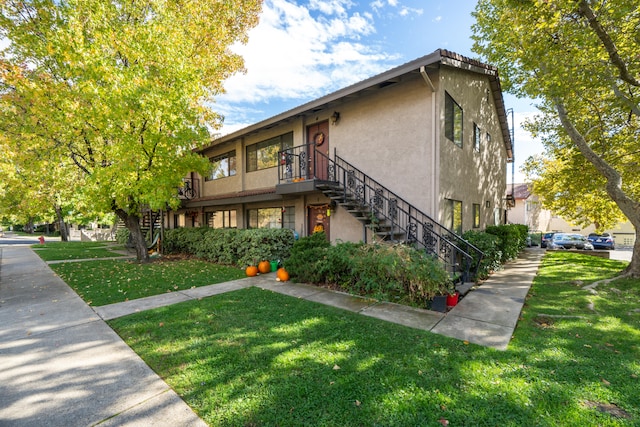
(306,255)
(263,244)
(339,264)
(122,236)
(400,273)
(489,244)
(392,273)
(513,239)
(230,246)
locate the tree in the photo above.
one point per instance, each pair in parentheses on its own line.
(580,60)
(120,90)
(581,201)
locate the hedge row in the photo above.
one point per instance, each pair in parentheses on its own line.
(396,273)
(239,247)
(366,269)
(500,243)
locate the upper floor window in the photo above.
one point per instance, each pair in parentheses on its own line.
(476,138)
(264,154)
(222,166)
(452,120)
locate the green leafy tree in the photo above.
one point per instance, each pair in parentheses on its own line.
(580,60)
(120,90)
(582,201)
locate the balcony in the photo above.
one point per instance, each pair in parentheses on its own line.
(189,189)
(301,169)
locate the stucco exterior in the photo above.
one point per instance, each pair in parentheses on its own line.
(390,127)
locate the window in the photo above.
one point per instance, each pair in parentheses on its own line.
(221,219)
(264,154)
(271,218)
(222,166)
(476,138)
(476,215)
(453,120)
(488,139)
(454,216)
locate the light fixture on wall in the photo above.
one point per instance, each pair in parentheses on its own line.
(335,117)
(487,204)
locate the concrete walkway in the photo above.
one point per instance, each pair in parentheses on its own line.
(61,365)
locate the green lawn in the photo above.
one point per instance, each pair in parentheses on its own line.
(103,282)
(256,358)
(55,251)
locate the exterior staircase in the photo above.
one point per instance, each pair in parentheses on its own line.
(387,215)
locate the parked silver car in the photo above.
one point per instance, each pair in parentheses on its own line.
(568,241)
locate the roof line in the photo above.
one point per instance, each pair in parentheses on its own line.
(439,56)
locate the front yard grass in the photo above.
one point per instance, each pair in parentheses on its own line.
(103,282)
(56,251)
(257,358)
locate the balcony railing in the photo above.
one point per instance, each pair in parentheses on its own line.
(302,163)
(189,189)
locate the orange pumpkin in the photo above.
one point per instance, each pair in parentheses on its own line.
(282,274)
(251,271)
(264,267)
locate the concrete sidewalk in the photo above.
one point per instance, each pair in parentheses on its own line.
(63,366)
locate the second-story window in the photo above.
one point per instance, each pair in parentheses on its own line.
(476,138)
(222,166)
(452,120)
(264,154)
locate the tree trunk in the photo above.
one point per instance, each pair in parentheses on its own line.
(64,234)
(132,222)
(633,269)
(629,207)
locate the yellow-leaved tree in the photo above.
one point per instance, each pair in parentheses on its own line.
(118,90)
(580,60)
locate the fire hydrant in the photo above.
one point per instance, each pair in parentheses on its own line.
(41,238)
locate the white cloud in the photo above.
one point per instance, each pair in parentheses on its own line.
(331,7)
(294,55)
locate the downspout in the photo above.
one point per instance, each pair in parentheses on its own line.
(434,147)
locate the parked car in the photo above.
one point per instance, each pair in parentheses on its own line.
(602,241)
(546,237)
(568,241)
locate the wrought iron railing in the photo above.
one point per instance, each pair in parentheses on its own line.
(189,189)
(387,214)
(297,163)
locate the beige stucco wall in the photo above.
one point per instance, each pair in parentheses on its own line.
(387,135)
(465,174)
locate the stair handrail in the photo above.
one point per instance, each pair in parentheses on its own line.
(302,162)
(449,241)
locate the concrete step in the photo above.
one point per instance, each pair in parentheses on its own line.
(465,287)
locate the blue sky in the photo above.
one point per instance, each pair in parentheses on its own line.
(304,49)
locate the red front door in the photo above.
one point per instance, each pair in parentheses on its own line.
(318,135)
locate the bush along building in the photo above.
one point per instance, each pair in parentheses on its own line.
(417,154)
